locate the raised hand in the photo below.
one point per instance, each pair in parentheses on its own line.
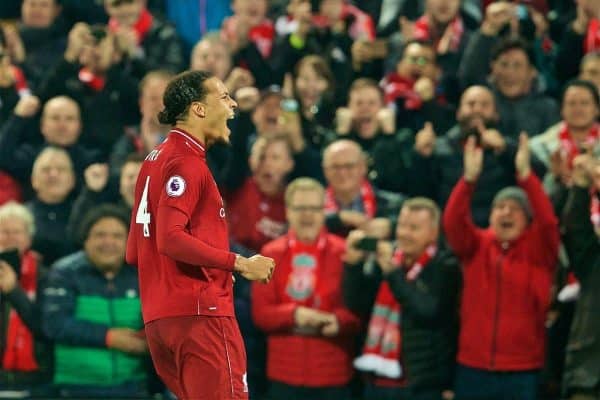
(491,138)
(343,121)
(96,176)
(425,140)
(582,170)
(523,158)
(27,106)
(386,117)
(385,250)
(79,36)
(496,16)
(425,88)
(353,255)
(472,160)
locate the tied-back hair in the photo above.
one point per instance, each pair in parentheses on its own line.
(182,91)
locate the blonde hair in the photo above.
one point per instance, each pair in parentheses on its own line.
(423,203)
(13,210)
(303,184)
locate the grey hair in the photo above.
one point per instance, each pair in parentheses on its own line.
(13,209)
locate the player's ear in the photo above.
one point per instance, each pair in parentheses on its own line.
(199,109)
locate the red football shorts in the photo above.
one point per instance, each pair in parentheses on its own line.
(199,357)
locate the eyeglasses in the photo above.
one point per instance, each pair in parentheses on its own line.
(311,209)
(419,60)
(339,167)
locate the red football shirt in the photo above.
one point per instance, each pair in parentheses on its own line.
(178,236)
(255,218)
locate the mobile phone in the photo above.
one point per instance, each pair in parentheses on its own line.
(522,11)
(367,244)
(289,105)
(12,258)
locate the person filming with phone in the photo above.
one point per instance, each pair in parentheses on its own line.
(411,303)
(25,355)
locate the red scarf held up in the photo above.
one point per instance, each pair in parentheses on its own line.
(423,32)
(592,38)
(362,28)
(20,82)
(382,351)
(395,86)
(91,80)
(262,35)
(303,286)
(366,193)
(141,27)
(19,353)
(568,145)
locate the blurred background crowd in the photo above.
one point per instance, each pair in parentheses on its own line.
(426,174)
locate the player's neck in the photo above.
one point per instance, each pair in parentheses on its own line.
(194,131)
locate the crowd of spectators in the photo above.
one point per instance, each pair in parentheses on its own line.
(426,174)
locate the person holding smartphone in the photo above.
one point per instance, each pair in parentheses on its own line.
(411,303)
(26,357)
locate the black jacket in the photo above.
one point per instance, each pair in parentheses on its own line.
(106,112)
(429,316)
(582,368)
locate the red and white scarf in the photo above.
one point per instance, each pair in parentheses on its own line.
(362,27)
(568,146)
(141,27)
(19,351)
(367,195)
(592,38)
(20,82)
(395,86)
(422,31)
(382,351)
(306,259)
(90,79)
(262,35)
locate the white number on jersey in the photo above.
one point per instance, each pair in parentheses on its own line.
(143,216)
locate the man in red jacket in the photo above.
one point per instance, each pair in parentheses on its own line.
(309,331)
(507,274)
(178,239)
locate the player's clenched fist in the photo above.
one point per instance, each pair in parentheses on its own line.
(255,268)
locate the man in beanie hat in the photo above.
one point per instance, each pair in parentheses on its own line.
(507,274)
(516,194)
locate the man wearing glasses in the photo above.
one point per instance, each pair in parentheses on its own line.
(309,331)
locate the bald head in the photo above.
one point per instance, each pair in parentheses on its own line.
(61,121)
(477,103)
(53,176)
(345,167)
(346,147)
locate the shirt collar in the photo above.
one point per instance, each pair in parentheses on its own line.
(180,132)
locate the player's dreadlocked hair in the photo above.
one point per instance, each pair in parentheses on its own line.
(183,89)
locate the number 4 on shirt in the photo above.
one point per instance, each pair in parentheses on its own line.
(143,216)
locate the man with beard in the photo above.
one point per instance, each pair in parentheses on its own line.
(476,116)
(178,239)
